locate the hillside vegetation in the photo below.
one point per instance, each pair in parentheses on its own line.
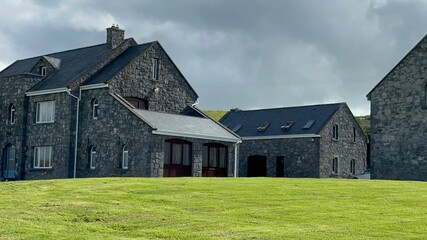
(213,208)
(215,114)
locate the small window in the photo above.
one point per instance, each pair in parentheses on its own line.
(95,108)
(155,69)
(353,166)
(309,124)
(335,132)
(45,112)
(43,70)
(287,125)
(12,114)
(125,158)
(263,127)
(335,165)
(354,134)
(214,155)
(43,157)
(92,156)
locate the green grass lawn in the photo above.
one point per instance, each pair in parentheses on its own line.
(215,114)
(213,208)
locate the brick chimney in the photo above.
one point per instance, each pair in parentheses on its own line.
(115,36)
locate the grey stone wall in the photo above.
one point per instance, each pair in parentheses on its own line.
(13,90)
(301,156)
(399,120)
(56,134)
(345,148)
(117,126)
(135,80)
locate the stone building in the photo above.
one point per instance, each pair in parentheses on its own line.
(113,109)
(399,119)
(310,141)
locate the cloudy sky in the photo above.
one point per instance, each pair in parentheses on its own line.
(237,53)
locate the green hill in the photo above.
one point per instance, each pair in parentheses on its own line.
(213,208)
(215,114)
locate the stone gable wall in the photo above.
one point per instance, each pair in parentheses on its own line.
(135,80)
(345,149)
(399,120)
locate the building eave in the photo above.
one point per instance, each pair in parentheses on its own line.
(47,91)
(94,86)
(192,135)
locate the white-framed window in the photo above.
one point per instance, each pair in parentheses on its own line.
(125,158)
(12,111)
(45,112)
(43,70)
(43,157)
(155,69)
(335,165)
(92,156)
(95,108)
(353,166)
(335,132)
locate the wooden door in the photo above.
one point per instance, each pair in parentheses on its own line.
(9,162)
(257,166)
(280,166)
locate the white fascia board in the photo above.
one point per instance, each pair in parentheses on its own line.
(94,86)
(48,91)
(282,137)
(192,135)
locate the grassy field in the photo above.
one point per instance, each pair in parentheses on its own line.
(213,208)
(215,114)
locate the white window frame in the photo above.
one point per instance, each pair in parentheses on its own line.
(335,167)
(95,108)
(155,69)
(12,115)
(125,158)
(45,112)
(44,153)
(93,157)
(43,70)
(335,132)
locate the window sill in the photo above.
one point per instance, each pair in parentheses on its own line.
(41,169)
(335,140)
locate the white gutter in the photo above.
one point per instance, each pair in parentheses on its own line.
(94,86)
(282,137)
(193,135)
(48,91)
(77,128)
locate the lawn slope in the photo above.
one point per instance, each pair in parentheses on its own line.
(213,208)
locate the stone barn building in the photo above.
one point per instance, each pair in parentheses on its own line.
(399,119)
(316,141)
(114,109)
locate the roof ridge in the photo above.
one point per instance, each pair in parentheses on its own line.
(302,106)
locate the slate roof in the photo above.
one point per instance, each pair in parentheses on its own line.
(73,63)
(109,70)
(246,123)
(185,126)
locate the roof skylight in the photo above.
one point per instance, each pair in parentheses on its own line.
(287,125)
(308,124)
(263,127)
(237,128)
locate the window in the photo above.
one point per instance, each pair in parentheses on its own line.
(45,112)
(125,159)
(335,165)
(138,103)
(287,125)
(335,132)
(43,157)
(12,114)
(92,156)
(263,127)
(354,134)
(95,108)
(214,160)
(43,70)
(177,158)
(155,69)
(308,124)
(352,166)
